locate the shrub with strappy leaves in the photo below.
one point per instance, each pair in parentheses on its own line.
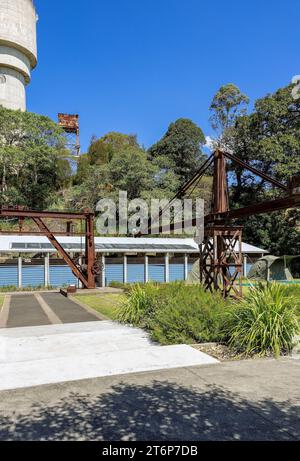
(265,322)
(136,305)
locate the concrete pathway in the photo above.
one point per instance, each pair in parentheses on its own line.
(24,310)
(251,400)
(57,353)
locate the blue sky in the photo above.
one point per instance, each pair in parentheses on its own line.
(136,65)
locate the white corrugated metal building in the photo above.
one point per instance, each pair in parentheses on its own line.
(32,261)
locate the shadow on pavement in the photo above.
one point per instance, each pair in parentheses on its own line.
(160,411)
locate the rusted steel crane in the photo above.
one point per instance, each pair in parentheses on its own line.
(221,260)
(85,273)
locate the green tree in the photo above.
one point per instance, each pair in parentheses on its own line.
(101,151)
(93,187)
(32,165)
(228,103)
(181,148)
(132,172)
(83,169)
(268,139)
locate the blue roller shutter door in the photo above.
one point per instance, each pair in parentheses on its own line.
(135,273)
(61,276)
(157,273)
(33,276)
(8,276)
(114,273)
(176,272)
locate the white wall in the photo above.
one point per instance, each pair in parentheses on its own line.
(18,51)
(12,89)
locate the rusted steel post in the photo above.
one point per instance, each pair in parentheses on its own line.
(201,264)
(217,270)
(220,187)
(90,250)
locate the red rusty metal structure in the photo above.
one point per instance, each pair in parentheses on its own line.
(221,264)
(221,260)
(86,272)
(70,124)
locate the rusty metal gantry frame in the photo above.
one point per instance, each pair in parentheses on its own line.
(221,259)
(86,275)
(70,124)
(222,247)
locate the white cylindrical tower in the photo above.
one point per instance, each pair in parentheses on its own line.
(18,51)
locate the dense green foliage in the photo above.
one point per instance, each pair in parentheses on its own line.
(138,304)
(32,159)
(117,162)
(264,322)
(227,105)
(268,139)
(293,290)
(102,151)
(181,148)
(174,313)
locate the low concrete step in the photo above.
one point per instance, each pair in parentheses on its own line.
(70,344)
(71,328)
(78,367)
(35,356)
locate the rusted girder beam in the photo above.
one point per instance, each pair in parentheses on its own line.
(76,271)
(41,234)
(19,213)
(253,170)
(256,209)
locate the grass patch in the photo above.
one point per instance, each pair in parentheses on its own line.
(12,289)
(106,304)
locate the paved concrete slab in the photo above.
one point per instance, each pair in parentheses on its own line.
(58,353)
(26,311)
(48,330)
(223,402)
(54,320)
(66,310)
(36,309)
